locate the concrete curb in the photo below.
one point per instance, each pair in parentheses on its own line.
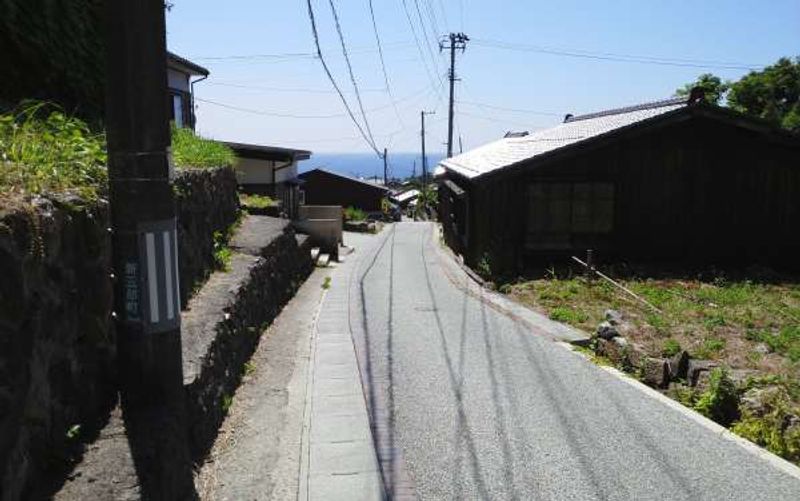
(473,285)
(724,433)
(568,338)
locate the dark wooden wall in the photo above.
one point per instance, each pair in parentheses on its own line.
(699,191)
(322,188)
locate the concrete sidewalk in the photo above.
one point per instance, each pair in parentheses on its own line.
(338,459)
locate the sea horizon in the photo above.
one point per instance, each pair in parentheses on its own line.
(367,165)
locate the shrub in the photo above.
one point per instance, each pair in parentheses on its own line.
(769,428)
(192,151)
(354,214)
(44,150)
(257,201)
(484,267)
(720,402)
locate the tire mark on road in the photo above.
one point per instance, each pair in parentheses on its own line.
(463,425)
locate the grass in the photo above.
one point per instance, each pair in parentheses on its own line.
(354,214)
(44,150)
(257,201)
(670,348)
(744,324)
(192,151)
(326,283)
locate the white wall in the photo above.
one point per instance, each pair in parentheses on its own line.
(177,80)
(286,173)
(252,171)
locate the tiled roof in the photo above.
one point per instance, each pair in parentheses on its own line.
(512,150)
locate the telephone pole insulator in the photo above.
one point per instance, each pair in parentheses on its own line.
(453,42)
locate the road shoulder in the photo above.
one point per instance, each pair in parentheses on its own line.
(257,452)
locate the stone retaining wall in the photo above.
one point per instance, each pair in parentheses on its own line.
(207,203)
(57,345)
(221,328)
(228,315)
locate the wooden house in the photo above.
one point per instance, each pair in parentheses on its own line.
(181,89)
(271,171)
(676,180)
(325,187)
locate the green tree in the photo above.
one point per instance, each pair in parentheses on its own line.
(713,86)
(772,93)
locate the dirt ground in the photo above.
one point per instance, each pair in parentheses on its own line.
(743,323)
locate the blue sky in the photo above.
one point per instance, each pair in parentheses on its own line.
(510,62)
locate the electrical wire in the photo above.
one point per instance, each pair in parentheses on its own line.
(609,56)
(383,63)
(513,110)
(320,116)
(378,42)
(425,34)
(352,76)
(282,89)
(333,80)
(501,121)
(419,45)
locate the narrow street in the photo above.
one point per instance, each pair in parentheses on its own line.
(468,403)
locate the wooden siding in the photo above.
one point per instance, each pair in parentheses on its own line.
(700,190)
(322,188)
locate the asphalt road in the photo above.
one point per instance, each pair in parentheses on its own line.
(479,406)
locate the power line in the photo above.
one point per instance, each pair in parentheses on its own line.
(293,115)
(333,80)
(282,89)
(378,42)
(608,56)
(513,110)
(298,55)
(444,14)
(383,63)
(419,46)
(425,34)
(352,76)
(497,120)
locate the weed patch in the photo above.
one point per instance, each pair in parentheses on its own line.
(354,214)
(43,150)
(192,151)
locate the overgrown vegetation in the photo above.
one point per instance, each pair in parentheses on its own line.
(741,323)
(354,214)
(45,150)
(720,402)
(222,252)
(192,151)
(256,201)
(771,426)
(744,324)
(42,150)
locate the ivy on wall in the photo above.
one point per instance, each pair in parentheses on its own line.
(53,50)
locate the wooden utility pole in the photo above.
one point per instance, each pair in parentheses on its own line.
(385,168)
(146,290)
(455,41)
(424,156)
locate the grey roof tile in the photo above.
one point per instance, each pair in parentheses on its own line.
(509,151)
